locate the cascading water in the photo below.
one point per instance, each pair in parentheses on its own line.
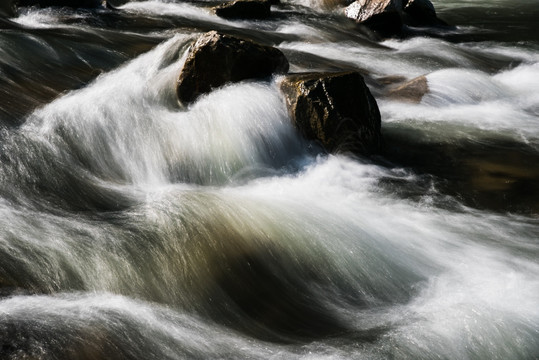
(132,228)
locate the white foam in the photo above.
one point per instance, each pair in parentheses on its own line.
(465,103)
(128,126)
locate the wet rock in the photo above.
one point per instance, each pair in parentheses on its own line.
(335,109)
(421,13)
(363,10)
(411,91)
(244,9)
(494,174)
(216,59)
(387,17)
(382,16)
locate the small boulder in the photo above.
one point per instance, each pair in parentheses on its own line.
(216,59)
(382,16)
(335,109)
(411,91)
(421,13)
(244,9)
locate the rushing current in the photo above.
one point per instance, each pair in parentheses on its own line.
(134,228)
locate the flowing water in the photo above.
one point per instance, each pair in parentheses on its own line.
(132,228)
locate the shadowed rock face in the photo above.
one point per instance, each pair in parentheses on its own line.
(244,9)
(335,109)
(216,59)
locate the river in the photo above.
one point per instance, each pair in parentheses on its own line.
(133,228)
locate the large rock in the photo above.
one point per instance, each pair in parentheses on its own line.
(216,59)
(421,13)
(379,15)
(335,109)
(244,9)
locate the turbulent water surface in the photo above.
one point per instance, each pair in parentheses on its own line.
(133,228)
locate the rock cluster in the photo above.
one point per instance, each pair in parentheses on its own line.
(336,110)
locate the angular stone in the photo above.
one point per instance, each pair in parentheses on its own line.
(335,109)
(216,59)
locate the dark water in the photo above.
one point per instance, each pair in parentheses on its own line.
(131,228)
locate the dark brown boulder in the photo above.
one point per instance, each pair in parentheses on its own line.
(411,91)
(244,9)
(216,59)
(383,16)
(335,109)
(421,13)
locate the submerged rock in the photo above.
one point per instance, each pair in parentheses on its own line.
(244,9)
(216,59)
(411,91)
(335,109)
